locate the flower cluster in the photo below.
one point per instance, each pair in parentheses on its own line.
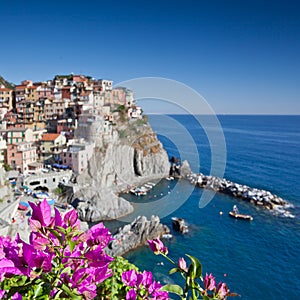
(142,286)
(61,260)
(211,289)
(192,275)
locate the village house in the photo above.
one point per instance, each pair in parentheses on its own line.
(51,146)
(77,155)
(26,91)
(25,111)
(93,127)
(54,108)
(106,85)
(20,135)
(19,156)
(6,97)
(135,112)
(3,148)
(11,120)
(44,91)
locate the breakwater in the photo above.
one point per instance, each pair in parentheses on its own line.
(255,196)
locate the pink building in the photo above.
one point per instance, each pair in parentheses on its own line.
(44,92)
(21,156)
(77,155)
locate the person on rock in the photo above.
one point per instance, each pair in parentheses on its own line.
(235,209)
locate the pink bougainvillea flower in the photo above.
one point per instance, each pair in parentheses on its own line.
(144,279)
(222,290)
(99,235)
(34,259)
(209,282)
(182,264)
(131,295)
(2,293)
(38,241)
(157,246)
(16,296)
(97,258)
(71,219)
(58,221)
(129,277)
(156,293)
(41,212)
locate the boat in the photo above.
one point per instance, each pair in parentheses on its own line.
(167,236)
(240,216)
(139,191)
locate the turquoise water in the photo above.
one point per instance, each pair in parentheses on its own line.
(258,259)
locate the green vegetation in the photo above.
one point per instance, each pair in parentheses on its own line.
(6,83)
(61,189)
(7,167)
(113,287)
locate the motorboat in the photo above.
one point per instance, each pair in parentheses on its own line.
(240,216)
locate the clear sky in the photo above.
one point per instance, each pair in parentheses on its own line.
(242,56)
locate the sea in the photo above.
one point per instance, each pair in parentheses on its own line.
(257,259)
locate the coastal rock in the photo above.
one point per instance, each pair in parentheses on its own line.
(116,167)
(185,169)
(255,196)
(136,234)
(103,206)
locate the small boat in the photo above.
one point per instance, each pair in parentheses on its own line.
(240,216)
(167,236)
(139,191)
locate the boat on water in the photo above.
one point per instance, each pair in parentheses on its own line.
(139,191)
(240,216)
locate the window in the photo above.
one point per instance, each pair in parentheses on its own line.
(45,180)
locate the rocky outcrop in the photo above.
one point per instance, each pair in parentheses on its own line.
(101,207)
(185,169)
(255,196)
(136,234)
(115,167)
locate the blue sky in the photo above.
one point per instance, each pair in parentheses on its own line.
(241,56)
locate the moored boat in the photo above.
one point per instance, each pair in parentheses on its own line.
(240,216)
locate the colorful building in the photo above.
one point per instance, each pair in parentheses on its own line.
(19,156)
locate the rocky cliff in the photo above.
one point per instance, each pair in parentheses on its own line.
(136,234)
(128,156)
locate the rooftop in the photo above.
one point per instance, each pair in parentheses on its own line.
(50,137)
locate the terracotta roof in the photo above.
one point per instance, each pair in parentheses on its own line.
(47,137)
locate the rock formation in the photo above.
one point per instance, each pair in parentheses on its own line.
(118,164)
(255,196)
(136,234)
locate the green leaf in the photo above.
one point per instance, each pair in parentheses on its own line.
(195,268)
(57,235)
(70,293)
(71,245)
(172,288)
(174,270)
